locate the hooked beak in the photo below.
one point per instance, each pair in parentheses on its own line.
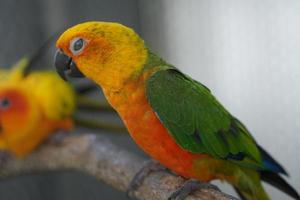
(65,66)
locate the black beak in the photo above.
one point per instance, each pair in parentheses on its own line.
(65,66)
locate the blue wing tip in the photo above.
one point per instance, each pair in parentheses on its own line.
(274,167)
(270,163)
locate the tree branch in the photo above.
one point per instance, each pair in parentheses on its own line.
(99,157)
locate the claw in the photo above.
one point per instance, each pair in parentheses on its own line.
(190,186)
(148,167)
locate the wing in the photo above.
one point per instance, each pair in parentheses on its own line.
(197,121)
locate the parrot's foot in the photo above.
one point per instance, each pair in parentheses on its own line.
(188,187)
(149,166)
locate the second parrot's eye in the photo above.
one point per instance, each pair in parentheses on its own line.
(4,103)
(77,45)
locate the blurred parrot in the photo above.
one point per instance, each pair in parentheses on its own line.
(173,118)
(31,109)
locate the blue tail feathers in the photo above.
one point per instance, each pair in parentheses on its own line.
(271,174)
(270,163)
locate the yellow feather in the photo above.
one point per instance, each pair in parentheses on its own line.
(122,51)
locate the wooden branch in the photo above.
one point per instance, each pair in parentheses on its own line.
(99,157)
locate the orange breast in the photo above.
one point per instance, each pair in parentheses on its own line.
(149,133)
(31,140)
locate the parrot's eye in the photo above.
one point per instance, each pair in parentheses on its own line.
(77,45)
(4,103)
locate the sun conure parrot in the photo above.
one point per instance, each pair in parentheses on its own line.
(31,109)
(172,117)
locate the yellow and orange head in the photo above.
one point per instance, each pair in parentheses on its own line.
(30,109)
(18,115)
(108,53)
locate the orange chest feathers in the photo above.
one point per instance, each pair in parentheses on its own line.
(148,132)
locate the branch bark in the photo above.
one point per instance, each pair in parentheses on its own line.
(99,157)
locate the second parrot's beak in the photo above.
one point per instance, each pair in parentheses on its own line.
(66,66)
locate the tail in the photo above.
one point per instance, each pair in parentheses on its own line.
(253,190)
(278,182)
(270,163)
(249,183)
(271,175)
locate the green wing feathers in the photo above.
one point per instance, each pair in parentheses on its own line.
(197,121)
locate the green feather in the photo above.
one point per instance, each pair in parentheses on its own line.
(194,117)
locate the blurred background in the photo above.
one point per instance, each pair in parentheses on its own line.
(246,52)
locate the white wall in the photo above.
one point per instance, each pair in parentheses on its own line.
(248,53)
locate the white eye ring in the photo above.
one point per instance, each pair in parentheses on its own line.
(77,45)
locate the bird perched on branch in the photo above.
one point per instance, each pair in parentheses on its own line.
(30,110)
(35,103)
(173,118)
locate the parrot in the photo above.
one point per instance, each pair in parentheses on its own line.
(31,110)
(28,116)
(173,118)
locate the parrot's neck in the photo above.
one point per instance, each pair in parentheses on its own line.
(133,90)
(120,69)
(129,72)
